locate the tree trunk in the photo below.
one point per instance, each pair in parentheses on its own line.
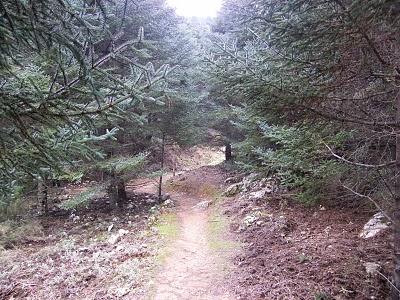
(43,195)
(396,212)
(121,193)
(112,191)
(162,168)
(228,151)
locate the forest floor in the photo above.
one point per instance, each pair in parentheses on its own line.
(200,245)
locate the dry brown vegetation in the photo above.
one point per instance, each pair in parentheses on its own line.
(90,254)
(298,252)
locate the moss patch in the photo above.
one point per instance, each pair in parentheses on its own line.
(217,228)
(168,228)
(167,225)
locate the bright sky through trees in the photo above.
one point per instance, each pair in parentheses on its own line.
(196,8)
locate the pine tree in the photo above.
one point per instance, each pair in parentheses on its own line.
(320,95)
(61,81)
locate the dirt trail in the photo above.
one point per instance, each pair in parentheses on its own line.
(193,269)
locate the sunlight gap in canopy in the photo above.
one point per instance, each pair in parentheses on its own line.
(196,8)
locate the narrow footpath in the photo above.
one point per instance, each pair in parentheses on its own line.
(198,257)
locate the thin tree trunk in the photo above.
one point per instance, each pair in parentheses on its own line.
(228,151)
(162,168)
(112,191)
(121,191)
(43,195)
(396,212)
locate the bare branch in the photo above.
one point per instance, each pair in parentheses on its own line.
(370,199)
(388,164)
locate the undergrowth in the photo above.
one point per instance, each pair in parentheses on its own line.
(16,232)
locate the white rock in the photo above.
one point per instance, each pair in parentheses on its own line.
(110,227)
(375,225)
(153,209)
(169,203)
(115,238)
(257,195)
(251,218)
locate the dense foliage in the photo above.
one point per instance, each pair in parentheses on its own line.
(83,80)
(314,78)
(318,83)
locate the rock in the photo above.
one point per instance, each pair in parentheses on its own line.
(257,195)
(203,205)
(115,238)
(153,209)
(231,180)
(169,203)
(110,227)
(260,223)
(233,190)
(165,197)
(121,292)
(252,218)
(372,268)
(375,225)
